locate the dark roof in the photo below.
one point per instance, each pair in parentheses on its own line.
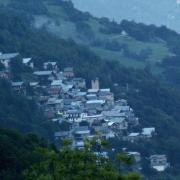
(68,69)
(61,134)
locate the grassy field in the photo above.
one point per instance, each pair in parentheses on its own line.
(128,62)
(66,29)
(59,25)
(107,54)
(159,49)
(57,11)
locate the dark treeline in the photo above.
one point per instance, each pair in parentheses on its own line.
(29,157)
(18,112)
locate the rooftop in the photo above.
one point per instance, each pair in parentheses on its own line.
(79,143)
(66,88)
(81,94)
(148,131)
(95,102)
(158,156)
(105,90)
(93,90)
(73,111)
(133,134)
(56,83)
(134,153)
(82,130)
(54,101)
(33,83)
(17,83)
(101,154)
(8,56)
(110,123)
(91,95)
(42,73)
(68,69)
(113,114)
(52,63)
(93,116)
(26,60)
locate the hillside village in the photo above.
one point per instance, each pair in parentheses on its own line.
(82,111)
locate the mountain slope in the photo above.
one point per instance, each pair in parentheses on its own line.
(155,103)
(17,112)
(89,31)
(107,39)
(17,153)
(165,12)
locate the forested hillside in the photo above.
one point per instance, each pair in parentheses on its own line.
(107,39)
(155,102)
(29,157)
(166,12)
(17,153)
(17,112)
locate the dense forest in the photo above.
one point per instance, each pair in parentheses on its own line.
(29,157)
(155,102)
(147,11)
(18,112)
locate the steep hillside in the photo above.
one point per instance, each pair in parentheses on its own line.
(105,38)
(17,153)
(156,104)
(97,34)
(166,12)
(27,157)
(17,112)
(132,44)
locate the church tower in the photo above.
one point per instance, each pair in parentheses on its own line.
(95,83)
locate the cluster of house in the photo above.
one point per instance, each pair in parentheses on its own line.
(65,98)
(157,162)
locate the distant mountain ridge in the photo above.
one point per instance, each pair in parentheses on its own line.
(164,12)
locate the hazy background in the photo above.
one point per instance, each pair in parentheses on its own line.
(158,12)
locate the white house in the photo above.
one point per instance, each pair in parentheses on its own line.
(28,62)
(159,162)
(5,59)
(133,137)
(148,132)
